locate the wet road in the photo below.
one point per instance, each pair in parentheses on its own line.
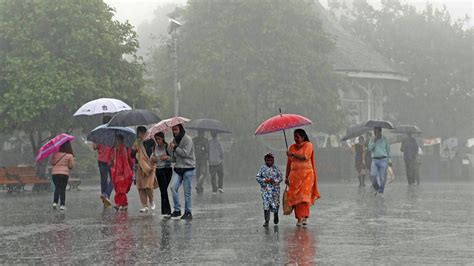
(433,223)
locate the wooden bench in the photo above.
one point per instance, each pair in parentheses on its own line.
(9,183)
(74,183)
(27,176)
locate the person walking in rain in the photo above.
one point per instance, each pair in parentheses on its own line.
(368,155)
(269,177)
(409,148)
(216,163)
(62,162)
(381,159)
(182,149)
(103,158)
(121,170)
(145,173)
(201,148)
(164,171)
(359,160)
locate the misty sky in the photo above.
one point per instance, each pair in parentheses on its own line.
(138,11)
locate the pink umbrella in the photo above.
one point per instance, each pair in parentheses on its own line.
(165,125)
(53,146)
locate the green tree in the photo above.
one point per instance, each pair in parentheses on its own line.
(57,55)
(437,55)
(241,60)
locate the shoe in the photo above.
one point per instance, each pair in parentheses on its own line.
(214,193)
(105,201)
(175,215)
(187,216)
(166,216)
(299,223)
(304,222)
(199,190)
(124,208)
(62,208)
(221,190)
(153,207)
(266,216)
(117,208)
(144,209)
(55,205)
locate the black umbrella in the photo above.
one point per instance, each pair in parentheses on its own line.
(407,129)
(134,117)
(208,125)
(355,131)
(106,135)
(379,123)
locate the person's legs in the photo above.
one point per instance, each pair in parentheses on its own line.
(383,167)
(302,211)
(62,192)
(417,171)
(213,174)
(143,196)
(374,173)
(199,178)
(164,177)
(150,196)
(187,185)
(56,189)
(176,182)
(104,178)
(220,173)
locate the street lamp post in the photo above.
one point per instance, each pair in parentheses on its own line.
(172,30)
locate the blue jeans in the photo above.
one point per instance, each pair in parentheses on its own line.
(378,174)
(106,185)
(186,179)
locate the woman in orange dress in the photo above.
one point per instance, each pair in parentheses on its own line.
(301,176)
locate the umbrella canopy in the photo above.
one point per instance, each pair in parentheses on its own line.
(280,123)
(134,117)
(106,135)
(208,125)
(407,129)
(165,125)
(379,123)
(355,131)
(53,146)
(102,106)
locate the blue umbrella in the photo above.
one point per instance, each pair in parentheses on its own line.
(106,135)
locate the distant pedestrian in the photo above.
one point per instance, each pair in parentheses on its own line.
(301,177)
(164,171)
(62,162)
(381,159)
(145,173)
(269,177)
(121,169)
(368,154)
(103,159)
(201,150)
(359,160)
(182,149)
(216,163)
(410,148)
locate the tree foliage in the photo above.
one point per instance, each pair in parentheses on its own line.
(437,55)
(57,55)
(241,60)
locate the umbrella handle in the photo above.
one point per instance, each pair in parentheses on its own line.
(286,141)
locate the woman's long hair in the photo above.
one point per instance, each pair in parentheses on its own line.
(66,148)
(182,132)
(302,133)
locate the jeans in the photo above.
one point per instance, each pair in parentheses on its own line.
(163,175)
(186,179)
(106,185)
(378,174)
(216,170)
(60,184)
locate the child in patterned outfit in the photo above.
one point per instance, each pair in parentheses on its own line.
(269,177)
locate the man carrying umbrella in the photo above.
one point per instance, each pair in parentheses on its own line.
(409,148)
(183,150)
(381,159)
(103,158)
(216,168)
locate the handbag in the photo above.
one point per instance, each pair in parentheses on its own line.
(287,209)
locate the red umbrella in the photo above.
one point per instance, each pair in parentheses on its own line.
(53,146)
(281,122)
